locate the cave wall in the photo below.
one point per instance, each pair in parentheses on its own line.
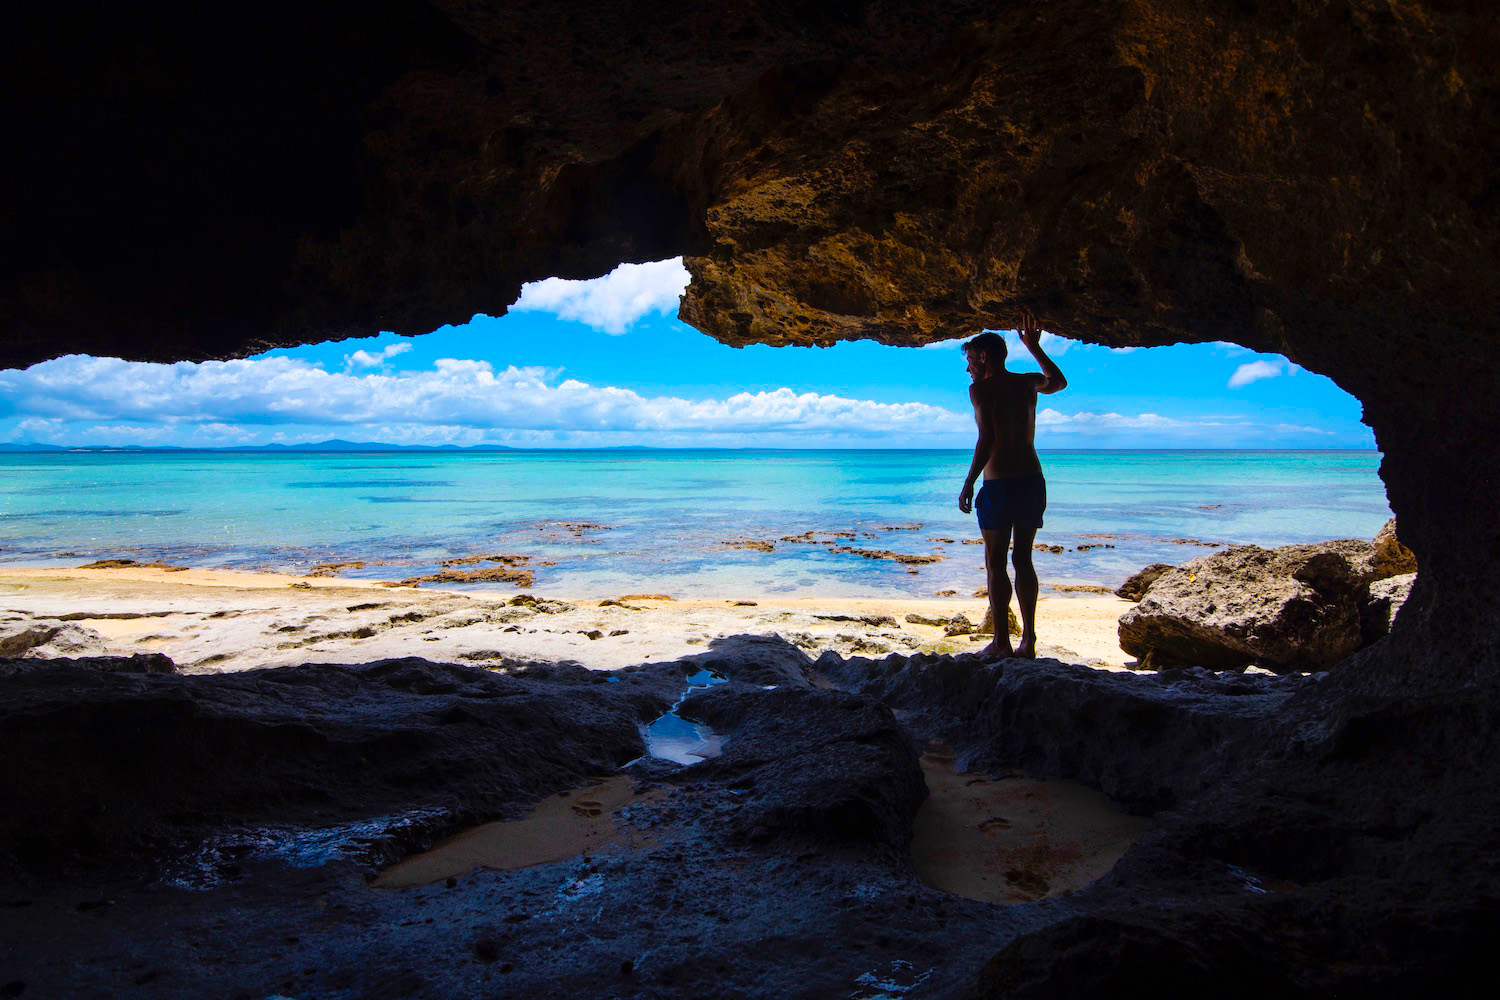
(1315,179)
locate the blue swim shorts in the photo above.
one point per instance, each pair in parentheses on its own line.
(1015,501)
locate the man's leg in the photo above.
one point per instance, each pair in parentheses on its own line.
(1026,591)
(995,542)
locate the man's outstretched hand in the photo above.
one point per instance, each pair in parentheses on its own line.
(966,498)
(1029,330)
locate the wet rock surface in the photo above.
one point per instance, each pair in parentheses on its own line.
(1292,608)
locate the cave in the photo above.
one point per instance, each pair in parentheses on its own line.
(1317,180)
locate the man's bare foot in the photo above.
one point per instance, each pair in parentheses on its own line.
(1027,649)
(997,650)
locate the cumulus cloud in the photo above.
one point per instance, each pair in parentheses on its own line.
(1086,422)
(612,303)
(454,393)
(366,359)
(1254,371)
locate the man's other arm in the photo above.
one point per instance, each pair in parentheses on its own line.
(982,447)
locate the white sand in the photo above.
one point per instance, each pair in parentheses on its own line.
(227,620)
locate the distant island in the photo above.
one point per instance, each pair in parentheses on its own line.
(331,445)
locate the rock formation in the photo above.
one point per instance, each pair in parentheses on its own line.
(1391,557)
(1378,612)
(1136,585)
(1311,179)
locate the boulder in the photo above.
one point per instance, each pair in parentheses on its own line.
(1379,610)
(1391,557)
(987,627)
(1291,608)
(1135,586)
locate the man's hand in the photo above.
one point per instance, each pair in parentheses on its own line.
(1029,330)
(966,498)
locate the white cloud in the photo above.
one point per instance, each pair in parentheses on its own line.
(611,303)
(365,359)
(1086,423)
(455,393)
(1254,371)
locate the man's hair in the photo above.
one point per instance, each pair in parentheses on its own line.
(990,344)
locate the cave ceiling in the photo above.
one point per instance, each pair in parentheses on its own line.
(194,183)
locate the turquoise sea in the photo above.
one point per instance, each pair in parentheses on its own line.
(664,516)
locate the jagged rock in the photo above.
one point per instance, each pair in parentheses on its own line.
(822,767)
(761,660)
(1290,608)
(106,764)
(135,663)
(23,635)
(1136,585)
(1391,557)
(1145,740)
(1379,610)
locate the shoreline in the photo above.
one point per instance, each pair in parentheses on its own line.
(217,620)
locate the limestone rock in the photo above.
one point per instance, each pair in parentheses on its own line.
(1135,586)
(1291,608)
(987,627)
(1391,557)
(1379,610)
(23,635)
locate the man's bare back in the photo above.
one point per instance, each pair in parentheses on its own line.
(1014,495)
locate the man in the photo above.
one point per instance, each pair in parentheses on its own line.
(1014,494)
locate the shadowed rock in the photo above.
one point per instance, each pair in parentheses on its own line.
(106,764)
(1136,585)
(1378,612)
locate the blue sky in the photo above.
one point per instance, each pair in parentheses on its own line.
(605,362)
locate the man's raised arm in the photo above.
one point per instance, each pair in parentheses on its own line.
(1052,379)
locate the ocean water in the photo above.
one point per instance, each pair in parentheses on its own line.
(664,517)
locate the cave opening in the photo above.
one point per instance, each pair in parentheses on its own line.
(1312,181)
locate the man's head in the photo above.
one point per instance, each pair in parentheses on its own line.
(986,354)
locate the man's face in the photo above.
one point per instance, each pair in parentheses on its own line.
(978,367)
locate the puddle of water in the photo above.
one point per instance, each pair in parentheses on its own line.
(1014,840)
(1258,884)
(674,738)
(220,859)
(898,980)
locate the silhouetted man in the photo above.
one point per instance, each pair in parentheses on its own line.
(1014,494)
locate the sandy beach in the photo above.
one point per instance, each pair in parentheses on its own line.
(217,620)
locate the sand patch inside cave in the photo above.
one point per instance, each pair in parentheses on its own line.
(561,826)
(1014,840)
